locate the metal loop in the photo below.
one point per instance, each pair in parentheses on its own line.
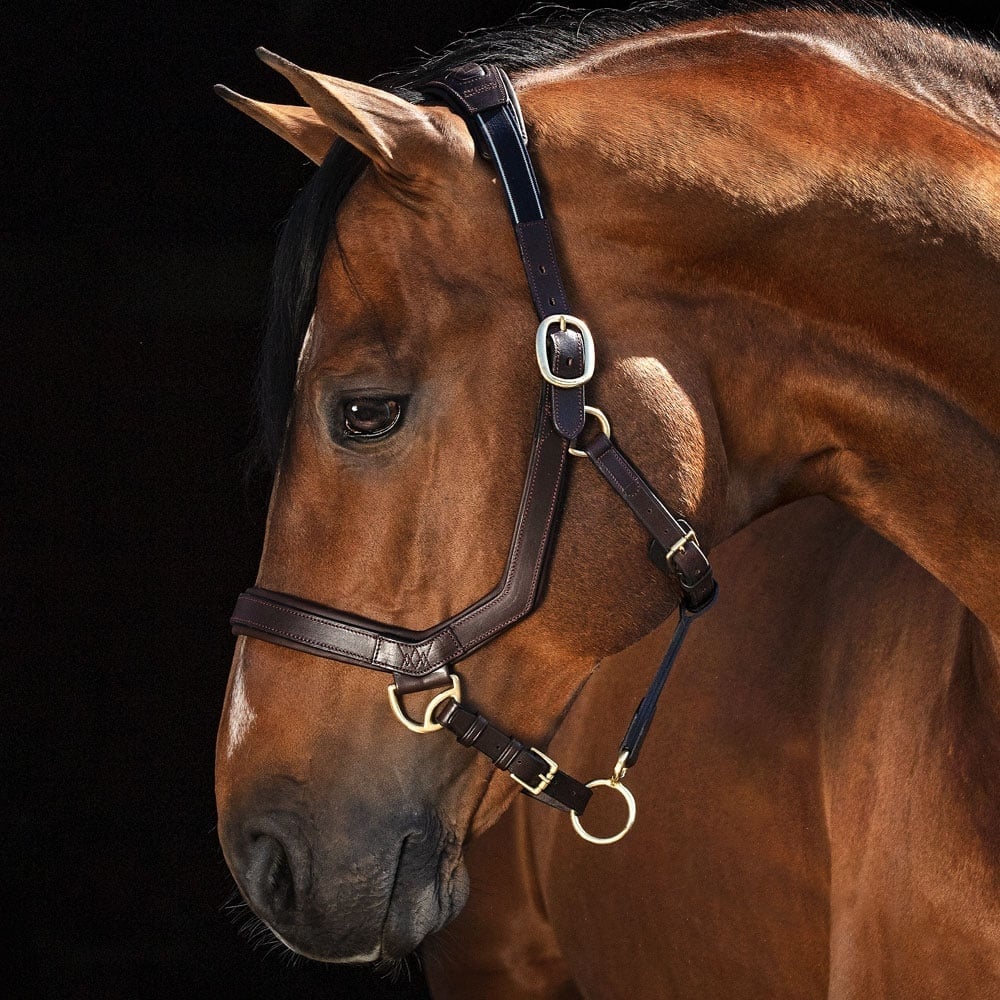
(428,725)
(629,799)
(542,350)
(593,411)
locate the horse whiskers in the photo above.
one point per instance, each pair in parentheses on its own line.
(234,903)
(290,959)
(392,969)
(259,936)
(447,948)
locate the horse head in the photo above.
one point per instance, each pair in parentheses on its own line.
(405,452)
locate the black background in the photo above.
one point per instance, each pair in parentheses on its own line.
(138,221)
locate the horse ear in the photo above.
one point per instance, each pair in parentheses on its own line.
(394,134)
(296,125)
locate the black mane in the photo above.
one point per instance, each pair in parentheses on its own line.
(544,37)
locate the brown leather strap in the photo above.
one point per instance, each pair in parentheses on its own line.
(540,775)
(484,97)
(686,560)
(566,359)
(469,89)
(538,254)
(409,684)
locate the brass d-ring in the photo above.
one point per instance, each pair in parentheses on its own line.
(428,725)
(629,799)
(599,416)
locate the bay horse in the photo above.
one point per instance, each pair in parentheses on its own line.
(781,228)
(820,809)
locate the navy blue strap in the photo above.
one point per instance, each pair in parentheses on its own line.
(642,719)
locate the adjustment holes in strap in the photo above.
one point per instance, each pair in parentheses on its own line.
(598,415)
(542,270)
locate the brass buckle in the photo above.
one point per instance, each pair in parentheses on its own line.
(542,350)
(545,780)
(679,546)
(428,725)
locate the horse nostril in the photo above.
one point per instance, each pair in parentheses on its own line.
(268,877)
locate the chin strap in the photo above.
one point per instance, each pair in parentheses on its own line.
(536,773)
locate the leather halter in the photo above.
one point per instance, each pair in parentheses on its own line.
(422,661)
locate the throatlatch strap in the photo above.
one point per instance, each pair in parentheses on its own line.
(676,546)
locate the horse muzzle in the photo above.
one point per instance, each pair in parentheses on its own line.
(373,894)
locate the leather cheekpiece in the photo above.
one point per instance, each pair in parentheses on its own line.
(688,563)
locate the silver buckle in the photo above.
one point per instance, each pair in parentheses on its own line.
(545,780)
(542,350)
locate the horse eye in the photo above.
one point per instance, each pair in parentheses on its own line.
(367,417)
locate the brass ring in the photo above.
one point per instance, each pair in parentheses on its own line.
(428,725)
(629,798)
(593,411)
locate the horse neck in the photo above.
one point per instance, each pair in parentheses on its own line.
(837,273)
(886,413)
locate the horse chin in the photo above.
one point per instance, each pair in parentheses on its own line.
(414,913)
